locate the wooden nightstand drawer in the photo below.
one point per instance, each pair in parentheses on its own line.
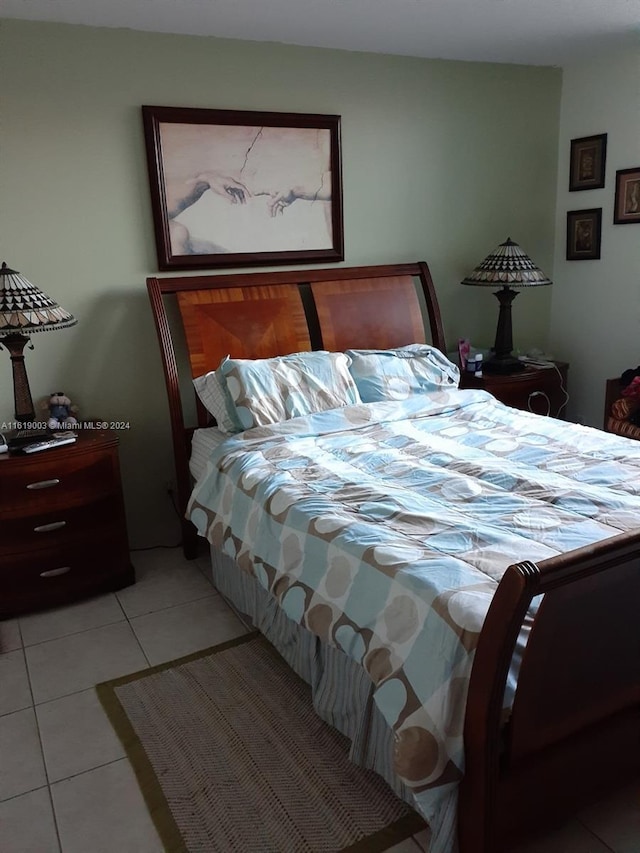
(50,577)
(61,527)
(60,480)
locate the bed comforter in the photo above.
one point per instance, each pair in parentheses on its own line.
(385,528)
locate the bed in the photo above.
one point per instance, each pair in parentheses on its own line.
(545,598)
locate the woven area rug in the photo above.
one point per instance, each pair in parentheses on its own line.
(230,756)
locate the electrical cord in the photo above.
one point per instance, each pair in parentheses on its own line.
(535,394)
(172,498)
(153,547)
(563,389)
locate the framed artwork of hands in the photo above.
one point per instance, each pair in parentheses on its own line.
(236,188)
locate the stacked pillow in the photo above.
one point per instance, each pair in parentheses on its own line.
(246,393)
(397,374)
(212,390)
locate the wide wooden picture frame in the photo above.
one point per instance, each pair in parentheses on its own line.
(233,188)
(587,162)
(584,230)
(626,209)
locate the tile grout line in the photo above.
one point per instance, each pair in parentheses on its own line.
(42,755)
(132,629)
(171,606)
(125,618)
(137,639)
(55,816)
(23,793)
(74,633)
(595,835)
(90,770)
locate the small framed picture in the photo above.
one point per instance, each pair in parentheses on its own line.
(587,162)
(627,206)
(584,228)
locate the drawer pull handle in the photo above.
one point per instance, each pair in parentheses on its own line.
(47,528)
(44,484)
(53,573)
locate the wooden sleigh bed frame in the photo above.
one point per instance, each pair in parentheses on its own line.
(573,732)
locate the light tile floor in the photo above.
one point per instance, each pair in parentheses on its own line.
(65,783)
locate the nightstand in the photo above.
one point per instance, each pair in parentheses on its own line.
(534,389)
(62,524)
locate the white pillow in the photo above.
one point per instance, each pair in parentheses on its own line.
(211,388)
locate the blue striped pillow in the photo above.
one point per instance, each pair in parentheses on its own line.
(397,374)
(271,390)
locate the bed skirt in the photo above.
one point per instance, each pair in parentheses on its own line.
(342,691)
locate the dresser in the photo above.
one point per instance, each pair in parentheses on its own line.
(541,390)
(63,533)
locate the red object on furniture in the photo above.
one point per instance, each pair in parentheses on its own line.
(617,409)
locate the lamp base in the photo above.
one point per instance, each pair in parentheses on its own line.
(505,365)
(502,361)
(15,343)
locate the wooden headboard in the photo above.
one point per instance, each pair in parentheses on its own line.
(261,315)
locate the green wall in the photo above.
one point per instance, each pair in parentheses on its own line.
(595,319)
(441,162)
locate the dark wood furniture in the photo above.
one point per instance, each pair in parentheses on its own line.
(617,410)
(613,392)
(541,390)
(573,730)
(62,524)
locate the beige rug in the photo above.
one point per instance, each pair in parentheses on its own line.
(230,756)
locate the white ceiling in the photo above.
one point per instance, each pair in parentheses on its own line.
(537,32)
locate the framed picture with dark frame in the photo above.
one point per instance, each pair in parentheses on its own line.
(232,188)
(584,229)
(627,204)
(587,162)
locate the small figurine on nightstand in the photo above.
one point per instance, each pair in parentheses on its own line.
(61,412)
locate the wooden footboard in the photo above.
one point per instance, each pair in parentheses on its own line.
(574,727)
